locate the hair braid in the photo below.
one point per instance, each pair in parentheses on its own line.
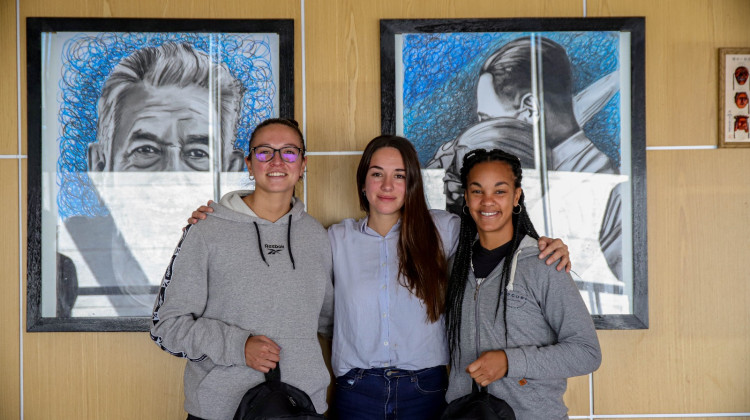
(457,283)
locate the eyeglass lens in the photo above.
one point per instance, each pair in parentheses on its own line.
(288,154)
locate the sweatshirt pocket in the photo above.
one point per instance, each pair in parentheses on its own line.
(220,392)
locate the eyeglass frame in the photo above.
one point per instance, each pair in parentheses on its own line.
(281,155)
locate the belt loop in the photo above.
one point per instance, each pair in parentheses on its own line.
(360,373)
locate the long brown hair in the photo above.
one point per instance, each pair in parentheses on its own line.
(422,266)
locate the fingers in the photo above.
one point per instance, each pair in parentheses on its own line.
(200,214)
(543,243)
(262,353)
(561,256)
(478,375)
(555,250)
(270,345)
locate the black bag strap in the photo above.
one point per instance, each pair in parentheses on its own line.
(476,389)
(274,375)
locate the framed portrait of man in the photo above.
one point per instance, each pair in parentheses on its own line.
(564,95)
(131,124)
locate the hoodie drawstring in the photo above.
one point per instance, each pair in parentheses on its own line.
(260,248)
(288,243)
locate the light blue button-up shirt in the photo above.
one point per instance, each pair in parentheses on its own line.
(378,322)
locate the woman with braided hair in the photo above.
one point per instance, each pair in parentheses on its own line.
(514,325)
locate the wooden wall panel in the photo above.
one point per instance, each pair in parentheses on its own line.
(343,58)
(694,358)
(100,376)
(8,103)
(577,396)
(10,395)
(682,41)
(332,188)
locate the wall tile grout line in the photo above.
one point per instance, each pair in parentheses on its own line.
(19,158)
(335,153)
(304,94)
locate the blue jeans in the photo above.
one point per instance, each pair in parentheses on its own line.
(391,394)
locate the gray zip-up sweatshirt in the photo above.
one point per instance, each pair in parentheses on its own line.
(234,275)
(551,335)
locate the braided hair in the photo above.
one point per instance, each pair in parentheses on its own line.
(522,226)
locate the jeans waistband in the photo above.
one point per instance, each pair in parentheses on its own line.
(392,372)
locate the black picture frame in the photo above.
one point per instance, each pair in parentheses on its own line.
(225,44)
(401,40)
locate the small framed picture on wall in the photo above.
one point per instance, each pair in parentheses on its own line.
(734,97)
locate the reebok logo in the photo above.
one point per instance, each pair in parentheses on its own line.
(274,249)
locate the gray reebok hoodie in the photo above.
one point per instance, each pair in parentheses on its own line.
(551,335)
(234,275)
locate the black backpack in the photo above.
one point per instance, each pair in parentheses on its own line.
(274,399)
(479,405)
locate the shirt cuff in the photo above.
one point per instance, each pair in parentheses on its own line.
(516,363)
(237,347)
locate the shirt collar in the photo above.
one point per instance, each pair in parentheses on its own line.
(363,228)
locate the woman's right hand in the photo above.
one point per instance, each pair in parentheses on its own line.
(261,353)
(200,214)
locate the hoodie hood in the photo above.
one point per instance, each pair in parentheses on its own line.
(232,207)
(526,243)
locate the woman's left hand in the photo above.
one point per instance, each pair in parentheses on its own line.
(491,366)
(556,250)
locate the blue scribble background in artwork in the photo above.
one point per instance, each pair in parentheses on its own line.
(87,59)
(441,73)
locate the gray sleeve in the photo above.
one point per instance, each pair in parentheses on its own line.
(325,320)
(178,325)
(576,350)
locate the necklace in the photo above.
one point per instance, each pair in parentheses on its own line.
(471,263)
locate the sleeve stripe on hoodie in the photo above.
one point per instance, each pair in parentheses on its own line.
(160,300)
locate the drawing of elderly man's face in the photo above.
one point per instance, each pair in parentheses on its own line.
(163,129)
(159,108)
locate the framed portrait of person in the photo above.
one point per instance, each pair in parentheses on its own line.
(565,95)
(734,97)
(132,124)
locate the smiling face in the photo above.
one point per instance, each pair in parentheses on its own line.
(491,195)
(385,183)
(163,129)
(275,175)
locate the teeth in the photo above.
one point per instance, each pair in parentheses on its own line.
(276,174)
(487,214)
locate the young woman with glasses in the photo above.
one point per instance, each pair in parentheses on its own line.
(250,286)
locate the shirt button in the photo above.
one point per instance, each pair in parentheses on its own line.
(385,343)
(385,314)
